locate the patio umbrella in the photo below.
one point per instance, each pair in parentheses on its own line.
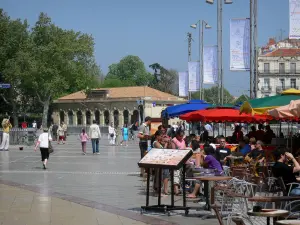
(262,105)
(223,115)
(281,112)
(294,108)
(177,110)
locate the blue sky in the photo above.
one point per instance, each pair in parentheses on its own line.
(154,30)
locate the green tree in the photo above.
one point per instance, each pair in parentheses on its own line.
(211,95)
(241,99)
(61,61)
(14,42)
(165,80)
(130,69)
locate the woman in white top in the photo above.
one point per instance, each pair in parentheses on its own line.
(43,142)
(112,134)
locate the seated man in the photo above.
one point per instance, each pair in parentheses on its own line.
(280,169)
(257,154)
(222,152)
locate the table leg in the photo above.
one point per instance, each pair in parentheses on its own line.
(275,220)
(159,185)
(183,188)
(148,187)
(172,187)
(206,194)
(268,220)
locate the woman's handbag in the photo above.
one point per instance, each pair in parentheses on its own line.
(50,148)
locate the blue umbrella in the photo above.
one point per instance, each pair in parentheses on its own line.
(177,110)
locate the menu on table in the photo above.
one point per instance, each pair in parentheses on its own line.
(165,158)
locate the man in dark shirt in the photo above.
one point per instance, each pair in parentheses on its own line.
(222,152)
(280,169)
(258,153)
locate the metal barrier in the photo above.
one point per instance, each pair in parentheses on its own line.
(16,134)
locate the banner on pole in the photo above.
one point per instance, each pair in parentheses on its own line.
(194,75)
(240,44)
(210,64)
(183,84)
(294,19)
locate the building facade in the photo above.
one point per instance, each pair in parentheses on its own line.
(278,67)
(123,105)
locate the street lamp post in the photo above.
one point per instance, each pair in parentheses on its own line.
(201,25)
(220,47)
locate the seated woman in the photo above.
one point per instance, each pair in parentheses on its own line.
(207,160)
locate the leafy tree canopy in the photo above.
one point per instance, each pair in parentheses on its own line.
(130,69)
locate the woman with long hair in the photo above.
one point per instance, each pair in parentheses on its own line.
(44,143)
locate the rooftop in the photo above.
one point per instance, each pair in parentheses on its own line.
(143,92)
(284,52)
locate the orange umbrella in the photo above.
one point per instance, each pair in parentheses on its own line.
(220,114)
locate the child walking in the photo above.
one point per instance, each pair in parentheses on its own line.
(83,138)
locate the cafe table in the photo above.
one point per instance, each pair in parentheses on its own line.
(270,213)
(206,180)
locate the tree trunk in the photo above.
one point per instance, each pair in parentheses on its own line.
(45,113)
(14,113)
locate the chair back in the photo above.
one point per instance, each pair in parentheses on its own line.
(281,184)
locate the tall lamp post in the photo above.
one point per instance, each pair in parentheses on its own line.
(201,25)
(220,47)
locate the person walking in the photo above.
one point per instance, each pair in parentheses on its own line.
(44,143)
(83,138)
(95,136)
(112,134)
(60,133)
(125,132)
(65,129)
(6,125)
(54,131)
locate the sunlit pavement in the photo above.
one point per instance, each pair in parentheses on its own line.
(107,184)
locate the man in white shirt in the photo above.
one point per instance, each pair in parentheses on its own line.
(95,135)
(34,125)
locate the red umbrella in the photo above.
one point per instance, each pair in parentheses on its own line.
(223,115)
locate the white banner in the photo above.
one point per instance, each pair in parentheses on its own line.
(240,44)
(194,75)
(210,64)
(183,84)
(294,19)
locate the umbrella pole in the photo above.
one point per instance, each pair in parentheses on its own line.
(213,130)
(279,129)
(225,130)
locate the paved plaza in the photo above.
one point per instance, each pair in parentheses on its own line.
(105,188)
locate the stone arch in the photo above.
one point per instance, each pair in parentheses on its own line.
(116,118)
(126,117)
(97,116)
(79,118)
(106,117)
(71,117)
(135,116)
(88,117)
(61,116)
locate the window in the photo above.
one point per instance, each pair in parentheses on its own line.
(293,68)
(281,68)
(266,67)
(282,84)
(293,83)
(266,84)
